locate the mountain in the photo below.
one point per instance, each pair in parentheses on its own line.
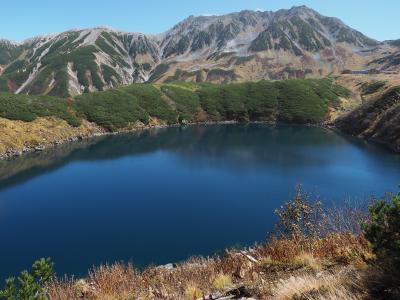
(393,42)
(249,45)
(388,62)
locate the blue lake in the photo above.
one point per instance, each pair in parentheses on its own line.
(161,196)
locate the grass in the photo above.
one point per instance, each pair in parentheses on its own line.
(192,292)
(222,282)
(217,275)
(307,260)
(16,135)
(326,286)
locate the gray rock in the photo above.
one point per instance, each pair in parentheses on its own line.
(167,266)
(39,148)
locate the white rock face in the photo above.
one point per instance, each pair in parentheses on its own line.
(74,86)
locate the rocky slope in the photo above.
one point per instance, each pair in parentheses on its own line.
(377,119)
(249,45)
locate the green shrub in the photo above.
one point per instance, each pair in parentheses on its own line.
(28,108)
(210,96)
(15,66)
(299,102)
(160,70)
(110,75)
(150,99)
(372,87)
(224,102)
(30,285)
(242,60)
(3,84)
(186,100)
(293,101)
(262,100)
(111,109)
(383,231)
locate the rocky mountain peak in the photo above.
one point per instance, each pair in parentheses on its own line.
(246,45)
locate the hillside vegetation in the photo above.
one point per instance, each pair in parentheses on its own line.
(28,108)
(295,101)
(33,122)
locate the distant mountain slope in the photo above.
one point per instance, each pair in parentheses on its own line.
(388,62)
(249,45)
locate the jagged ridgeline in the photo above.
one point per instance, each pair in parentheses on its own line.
(296,101)
(296,43)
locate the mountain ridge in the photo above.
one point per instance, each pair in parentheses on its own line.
(241,46)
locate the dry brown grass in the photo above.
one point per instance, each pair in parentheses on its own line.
(342,285)
(193,292)
(222,282)
(307,260)
(15,135)
(265,271)
(343,247)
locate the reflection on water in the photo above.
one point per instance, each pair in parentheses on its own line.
(162,195)
(229,146)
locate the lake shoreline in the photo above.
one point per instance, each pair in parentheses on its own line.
(20,151)
(101,131)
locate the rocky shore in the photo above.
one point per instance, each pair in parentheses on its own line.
(77,134)
(50,135)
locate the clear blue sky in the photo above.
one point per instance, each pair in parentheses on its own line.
(22,19)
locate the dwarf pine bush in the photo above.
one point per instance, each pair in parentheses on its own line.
(383,231)
(29,285)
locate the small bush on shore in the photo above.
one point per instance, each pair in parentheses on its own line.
(30,285)
(383,231)
(300,216)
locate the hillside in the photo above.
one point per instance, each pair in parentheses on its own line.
(33,122)
(238,47)
(378,119)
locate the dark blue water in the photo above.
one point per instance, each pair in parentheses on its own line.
(161,196)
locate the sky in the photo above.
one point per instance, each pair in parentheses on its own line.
(21,19)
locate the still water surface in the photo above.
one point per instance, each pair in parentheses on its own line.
(161,196)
